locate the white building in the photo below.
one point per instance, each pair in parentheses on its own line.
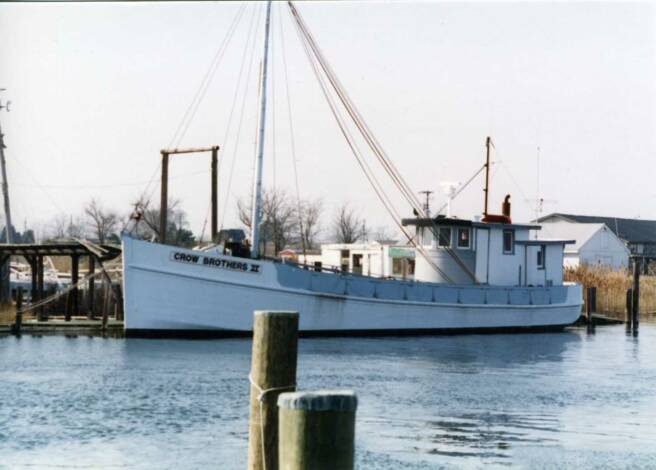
(379,259)
(596,244)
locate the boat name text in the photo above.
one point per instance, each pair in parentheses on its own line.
(211,262)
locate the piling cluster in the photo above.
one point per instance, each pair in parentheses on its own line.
(290,430)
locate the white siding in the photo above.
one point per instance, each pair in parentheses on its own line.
(604,248)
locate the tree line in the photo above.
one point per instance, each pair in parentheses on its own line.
(286,223)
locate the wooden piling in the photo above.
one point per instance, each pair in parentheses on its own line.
(215,194)
(91,305)
(317,430)
(41,315)
(588,305)
(273,371)
(163,202)
(18,323)
(629,307)
(635,310)
(105,310)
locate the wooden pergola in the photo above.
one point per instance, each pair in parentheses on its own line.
(35,253)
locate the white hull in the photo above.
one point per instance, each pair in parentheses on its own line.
(168,289)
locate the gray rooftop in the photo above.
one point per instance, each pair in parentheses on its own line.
(629,230)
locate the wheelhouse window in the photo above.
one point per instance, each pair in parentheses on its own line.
(508,242)
(542,251)
(444,237)
(464,238)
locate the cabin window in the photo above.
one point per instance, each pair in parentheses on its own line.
(542,251)
(508,242)
(444,237)
(464,238)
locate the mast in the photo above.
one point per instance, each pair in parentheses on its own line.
(257,184)
(5,186)
(487,173)
(5,289)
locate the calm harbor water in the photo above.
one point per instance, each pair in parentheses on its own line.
(556,400)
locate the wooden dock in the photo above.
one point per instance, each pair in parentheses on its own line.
(76,326)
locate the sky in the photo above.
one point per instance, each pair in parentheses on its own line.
(98,89)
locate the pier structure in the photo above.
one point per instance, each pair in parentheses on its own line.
(35,254)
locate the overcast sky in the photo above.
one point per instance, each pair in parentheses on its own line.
(98,89)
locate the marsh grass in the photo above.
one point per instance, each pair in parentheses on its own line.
(611,288)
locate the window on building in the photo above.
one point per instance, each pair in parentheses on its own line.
(508,242)
(542,251)
(411,267)
(444,237)
(464,238)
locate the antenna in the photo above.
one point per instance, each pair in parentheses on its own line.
(427,193)
(539,202)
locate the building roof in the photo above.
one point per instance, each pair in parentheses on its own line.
(629,230)
(580,232)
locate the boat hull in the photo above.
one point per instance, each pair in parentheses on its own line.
(171,291)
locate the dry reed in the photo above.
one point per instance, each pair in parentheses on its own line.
(611,287)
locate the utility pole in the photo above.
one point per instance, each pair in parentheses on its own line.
(4,282)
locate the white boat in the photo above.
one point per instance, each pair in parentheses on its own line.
(470,276)
(173,291)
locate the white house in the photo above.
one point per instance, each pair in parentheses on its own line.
(596,244)
(379,259)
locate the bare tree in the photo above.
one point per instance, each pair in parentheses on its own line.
(146,225)
(63,226)
(347,226)
(310,218)
(383,233)
(279,219)
(103,222)
(56,229)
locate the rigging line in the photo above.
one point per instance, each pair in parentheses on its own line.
(291,134)
(233,105)
(211,78)
(113,185)
(217,58)
(202,230)
(461,188)
(355,115)
(366,133)
(257,13)
(235,95)
(365,167)
(39,185)
(370,138)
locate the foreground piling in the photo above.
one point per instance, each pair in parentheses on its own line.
(273,371)
(317,430)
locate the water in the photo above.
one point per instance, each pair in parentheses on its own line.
(532,401)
